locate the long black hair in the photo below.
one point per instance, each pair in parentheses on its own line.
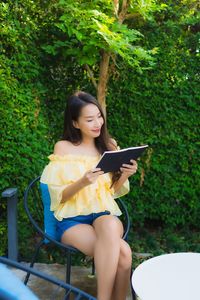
(73,109)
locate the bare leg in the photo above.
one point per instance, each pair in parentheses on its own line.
(82,237)
(106,254)
(122,279)
(112,254)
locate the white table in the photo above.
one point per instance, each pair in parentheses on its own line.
(168,277)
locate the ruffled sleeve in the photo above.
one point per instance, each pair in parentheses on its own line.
(57,175)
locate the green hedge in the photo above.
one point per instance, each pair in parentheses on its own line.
(159,107)
(24,138)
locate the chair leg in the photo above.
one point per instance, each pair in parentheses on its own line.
(68,272)
(132,290)
(33,260)
(93,268)
(68,266)
(133,294)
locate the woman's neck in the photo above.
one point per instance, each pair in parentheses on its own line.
(87,147)
(89,142)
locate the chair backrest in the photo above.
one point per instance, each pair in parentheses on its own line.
(49,219)
(124,217)
(37,206)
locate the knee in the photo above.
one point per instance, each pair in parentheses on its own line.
(111,228)
(125,259)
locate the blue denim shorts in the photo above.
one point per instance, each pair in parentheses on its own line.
(66,223)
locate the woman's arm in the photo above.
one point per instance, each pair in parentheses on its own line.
(119,183)
(126,170)
(87,179)
(71,190)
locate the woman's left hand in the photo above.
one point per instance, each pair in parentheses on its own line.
(129,169)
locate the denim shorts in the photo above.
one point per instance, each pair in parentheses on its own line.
(67,223)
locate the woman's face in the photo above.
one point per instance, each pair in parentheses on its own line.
(90,121)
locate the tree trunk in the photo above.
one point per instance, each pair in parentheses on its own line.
(103,79)
(104,64)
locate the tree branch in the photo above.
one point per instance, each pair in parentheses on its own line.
(103,79)
(124,5)
(123,12)
(91,76)
(116,7)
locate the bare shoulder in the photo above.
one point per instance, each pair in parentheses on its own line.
(112,144)
(63,148)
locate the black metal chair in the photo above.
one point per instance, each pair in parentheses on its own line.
(38,213)
(12,288)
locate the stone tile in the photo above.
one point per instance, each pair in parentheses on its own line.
(81,278)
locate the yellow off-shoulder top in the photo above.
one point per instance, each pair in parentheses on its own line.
(97,197)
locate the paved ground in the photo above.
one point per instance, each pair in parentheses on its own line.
(45,291)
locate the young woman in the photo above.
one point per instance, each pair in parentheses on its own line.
(82,196)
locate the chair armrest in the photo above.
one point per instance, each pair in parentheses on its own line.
(23,289)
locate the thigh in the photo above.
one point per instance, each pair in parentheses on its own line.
(108,224)
(82,237)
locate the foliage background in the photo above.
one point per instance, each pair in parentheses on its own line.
(159,107)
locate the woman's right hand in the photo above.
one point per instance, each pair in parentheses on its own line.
(91,176)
